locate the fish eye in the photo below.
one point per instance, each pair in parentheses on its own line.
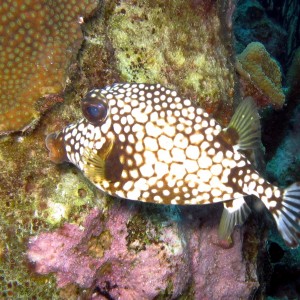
(94,109)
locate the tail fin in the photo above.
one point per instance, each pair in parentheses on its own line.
(287,215)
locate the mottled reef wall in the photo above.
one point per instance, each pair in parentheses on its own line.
(60,238)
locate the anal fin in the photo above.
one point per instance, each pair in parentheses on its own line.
(235,212)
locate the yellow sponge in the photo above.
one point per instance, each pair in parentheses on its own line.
(260,75)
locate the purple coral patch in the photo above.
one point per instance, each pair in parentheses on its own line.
(65,252)
(185,258)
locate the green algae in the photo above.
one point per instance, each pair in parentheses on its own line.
(141,232)
(166,42)
(33,196)
(70,292)
(167,293)
(105,268)
(188,294)
(173,43)
(98,245)
(146,227)
(70,193)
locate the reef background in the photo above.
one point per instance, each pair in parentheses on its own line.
(85,244)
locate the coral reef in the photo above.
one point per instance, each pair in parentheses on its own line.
(284,270)
(166,256)
(38,39)
(260,75)
(32,201)
(283,121)
(276,24)
(273,23)
(169,43)
(285,164)
(188,52)
(280,263)
(285,13)
(252,24)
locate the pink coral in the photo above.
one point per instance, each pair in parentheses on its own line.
(183,256)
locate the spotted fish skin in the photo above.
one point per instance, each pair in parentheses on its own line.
(144,142)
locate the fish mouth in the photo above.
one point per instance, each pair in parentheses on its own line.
(56,146)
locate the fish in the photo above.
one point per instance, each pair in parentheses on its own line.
(145,142)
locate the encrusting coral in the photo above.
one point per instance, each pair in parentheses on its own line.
(38,39)
(165,258)
(33,201)
(260,75)
(172,43)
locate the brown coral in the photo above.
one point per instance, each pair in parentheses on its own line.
(38,39)
(260,75)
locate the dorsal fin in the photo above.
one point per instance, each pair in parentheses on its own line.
(243,131)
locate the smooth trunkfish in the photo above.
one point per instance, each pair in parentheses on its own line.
(143,142)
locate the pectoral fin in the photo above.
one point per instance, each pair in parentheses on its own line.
(235,212)
(95,163)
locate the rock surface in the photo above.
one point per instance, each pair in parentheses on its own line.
(177,254)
